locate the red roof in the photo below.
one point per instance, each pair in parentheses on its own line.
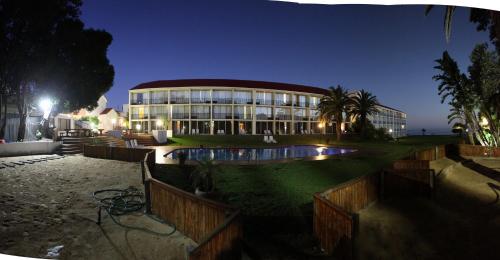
(230,83)
(106,110)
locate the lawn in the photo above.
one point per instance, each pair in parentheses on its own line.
(286,189)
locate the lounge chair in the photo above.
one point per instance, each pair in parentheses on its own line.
(272,140)
(266,139)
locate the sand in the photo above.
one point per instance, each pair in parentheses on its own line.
(49,204)
(461,222)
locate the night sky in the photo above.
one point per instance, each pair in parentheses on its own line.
(388,50)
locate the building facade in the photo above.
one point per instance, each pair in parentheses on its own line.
(392,120)
(221,106)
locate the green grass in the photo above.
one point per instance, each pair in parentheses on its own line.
(286,189)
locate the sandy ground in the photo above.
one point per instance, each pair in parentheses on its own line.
(47,204)
(461,222)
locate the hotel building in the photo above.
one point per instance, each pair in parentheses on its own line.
(221,106)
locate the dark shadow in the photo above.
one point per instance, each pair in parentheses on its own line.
(481,169)
(495,188)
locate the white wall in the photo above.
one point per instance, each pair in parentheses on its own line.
(28,148)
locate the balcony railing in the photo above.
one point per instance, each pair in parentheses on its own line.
(158,115)
(243,101)
(263,102)
(139,102)
(243,116)
(180,115)
(300,104)
(159,101)
(200,100)
(222,116)
(301,118)
(282,103)
(200,115)
(283,117)
(179,100)
(264,117)
(138,116)
(222,100)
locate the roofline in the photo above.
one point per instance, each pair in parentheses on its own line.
(390,108)
(230,83)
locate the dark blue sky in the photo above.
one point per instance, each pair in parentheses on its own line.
(388,50)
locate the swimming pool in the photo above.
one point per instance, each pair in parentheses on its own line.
(248,154)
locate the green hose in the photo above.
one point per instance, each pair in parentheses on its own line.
(119,202)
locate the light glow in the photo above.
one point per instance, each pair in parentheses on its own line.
(46,105)
(159,122)
(138,127)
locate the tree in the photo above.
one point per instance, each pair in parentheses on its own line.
(363,104)
(485,20)
(332,107)
(48,52)
(473,97)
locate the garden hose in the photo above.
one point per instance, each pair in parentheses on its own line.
(119,202)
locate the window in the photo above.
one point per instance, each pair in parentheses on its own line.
(200,96)
(180,111)
(264,113)
(222,112)
(283,114)
(200,112)
(222,97)
(264,98)
(243,97)
(159,97)
(243,112)
(179,96)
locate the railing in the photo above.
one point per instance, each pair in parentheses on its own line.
(301,118)
(200,100)
(222,116)
(139,102)
(283,117)
(179,100)
(263,102)
(222,100)
(264,117)
(437,152)
(243,101)
(159,100)
(138,116)
(243,116)
(200,115)
(180,115)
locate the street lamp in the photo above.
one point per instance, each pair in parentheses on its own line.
(46,105)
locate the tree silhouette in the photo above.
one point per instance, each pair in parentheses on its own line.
(333,105)
(46,51)
(363,104)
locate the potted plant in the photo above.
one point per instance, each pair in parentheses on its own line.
(203,181)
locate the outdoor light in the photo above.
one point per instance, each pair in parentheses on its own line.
(402,126)
(113,121)
(320,125)
(46,105)
(390,130)
(484,122)
(138,127)
(159,122)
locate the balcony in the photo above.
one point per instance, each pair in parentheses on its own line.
(282,103)
(179,100)
(200,115)
(263,102)
(264,117)
(243,116)
(301,118)
(139,102)
(180,115)
(200,100)
(243,101)
(222,116)
(283,117)
(222,101)
(159,101)
(139,116)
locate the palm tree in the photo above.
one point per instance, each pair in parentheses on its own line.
(333,105)
(364,104)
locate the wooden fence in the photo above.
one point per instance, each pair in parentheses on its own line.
(434,153)
(115,153)
(333,223)
(332,226)
(477,150)
(214,226)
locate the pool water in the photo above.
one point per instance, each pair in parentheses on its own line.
(247,154)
